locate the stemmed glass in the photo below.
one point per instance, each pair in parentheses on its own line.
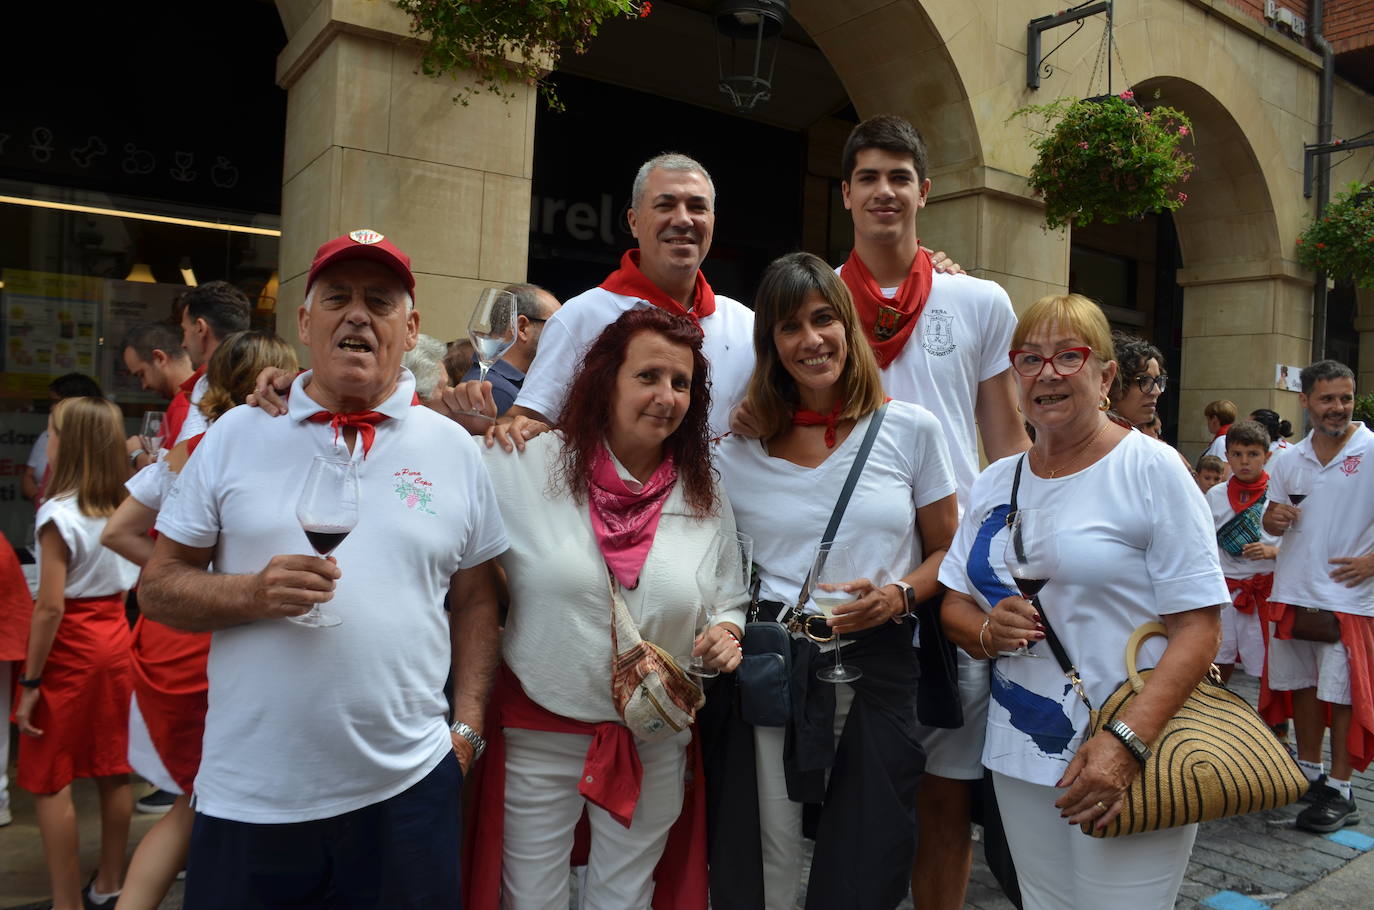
(1300,479)
(150,436)
(328,511)
(492,327)
(833,566)
(1032,556)
(722,576)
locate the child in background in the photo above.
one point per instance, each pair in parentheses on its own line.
(1210,471)
(73,707)
(1246,552)
(1220,415)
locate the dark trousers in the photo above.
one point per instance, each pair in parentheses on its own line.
(399,854)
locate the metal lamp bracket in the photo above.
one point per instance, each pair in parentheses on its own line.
(1033,29)
(1322,150)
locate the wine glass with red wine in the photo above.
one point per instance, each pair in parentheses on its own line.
(1032,557)
(1300,479)
(327,511)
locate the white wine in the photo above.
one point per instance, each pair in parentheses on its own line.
(829,600)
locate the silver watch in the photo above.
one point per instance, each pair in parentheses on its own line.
(908,601)
(1138,748)
(479,745)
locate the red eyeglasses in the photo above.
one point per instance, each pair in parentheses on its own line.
(1065,362)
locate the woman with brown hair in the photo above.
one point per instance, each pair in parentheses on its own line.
(73,708)
(851,747)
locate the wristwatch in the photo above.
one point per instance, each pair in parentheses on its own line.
(475,739)
(1138,748)
(908,601)
(33,683)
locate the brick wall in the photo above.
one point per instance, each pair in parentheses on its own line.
(1349,23)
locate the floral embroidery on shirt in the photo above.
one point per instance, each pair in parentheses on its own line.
(414,490)
(1351,464)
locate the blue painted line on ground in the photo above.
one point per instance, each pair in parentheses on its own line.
(1233,900)
(1353,839)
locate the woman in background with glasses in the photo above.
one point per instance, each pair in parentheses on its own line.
(1120,502)
(1140,379)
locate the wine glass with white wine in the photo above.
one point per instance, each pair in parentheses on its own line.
(833,566)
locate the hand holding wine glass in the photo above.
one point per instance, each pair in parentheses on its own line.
(1032,557)
(722,576)
(833,567)
(150,435)
(492,328)
(1300,478)
(328,511)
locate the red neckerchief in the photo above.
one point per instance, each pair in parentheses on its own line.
(804,418)
(365,422)
(1243,495)
(1222,432)
(888,322)
(631,282)
(624,522)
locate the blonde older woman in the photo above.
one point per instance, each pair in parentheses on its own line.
(1135,545)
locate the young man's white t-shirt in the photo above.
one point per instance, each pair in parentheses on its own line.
(1135,542)
(1237,567)
(785,507)
(1337,520)
(195,422)
(311,723)
(92,570)
(728,346)
(961,340)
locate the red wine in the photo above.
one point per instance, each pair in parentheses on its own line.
(324,540)
(1297,498)
(1030,587)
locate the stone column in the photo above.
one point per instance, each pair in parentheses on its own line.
(1239,320)
(372,143)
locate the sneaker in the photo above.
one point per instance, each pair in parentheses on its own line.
(6,817)
(157,802)
(1331,812)
(90,903)
(1314,788)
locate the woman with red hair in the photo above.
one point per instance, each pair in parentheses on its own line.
(621,498)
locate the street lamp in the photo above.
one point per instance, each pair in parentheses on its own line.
(751,29)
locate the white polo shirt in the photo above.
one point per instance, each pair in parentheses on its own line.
(1337,520)
(728,346)
(311,723)
(961,340)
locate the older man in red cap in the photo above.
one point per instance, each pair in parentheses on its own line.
(330,775)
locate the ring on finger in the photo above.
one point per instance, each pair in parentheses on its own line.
(1101,805)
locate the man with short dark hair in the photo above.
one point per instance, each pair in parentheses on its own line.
(942,342)
(153,354)
(211,312)
(330,775)
(534,306)
(1321,501)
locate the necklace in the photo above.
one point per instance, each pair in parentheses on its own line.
(1076,455)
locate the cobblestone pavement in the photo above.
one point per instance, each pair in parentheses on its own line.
(1245,863)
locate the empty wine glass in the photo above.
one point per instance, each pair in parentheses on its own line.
(492,327)
(328,511)
(833,566)
(150,436)
(1032,557)
(722,577)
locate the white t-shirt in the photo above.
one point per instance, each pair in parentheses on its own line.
(785,507)
(1218,447)
(1337,520)
(92,570)
(961,339)
(195,422)
(1279,445)
(728,346)
(1135,542)
(312,723)
(38,456)
(557,637)
(150,484)
(1236,567)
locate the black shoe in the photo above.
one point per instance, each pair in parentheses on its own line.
(156,803)
(1331,812)
(1314,788)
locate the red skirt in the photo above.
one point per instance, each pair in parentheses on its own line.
(84,711)
(170,682)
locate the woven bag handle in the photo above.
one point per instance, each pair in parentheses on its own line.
(1148,630)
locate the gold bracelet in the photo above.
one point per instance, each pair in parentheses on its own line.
(987,620)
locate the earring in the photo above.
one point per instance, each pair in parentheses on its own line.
(1106,404)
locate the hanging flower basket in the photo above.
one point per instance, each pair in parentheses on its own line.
(501,43)
(1341,242)
(1107,159)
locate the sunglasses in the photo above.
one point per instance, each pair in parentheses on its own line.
(1064,363)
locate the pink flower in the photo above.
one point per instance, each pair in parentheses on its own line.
(645,10)
(1127,95)
(1082,145)
(411,500)
(1183,130)
(1182,197)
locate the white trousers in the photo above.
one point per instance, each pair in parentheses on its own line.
(6,699)
(542,809)
(780,819)
(1061,868)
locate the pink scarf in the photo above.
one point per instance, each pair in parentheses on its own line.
(624,522)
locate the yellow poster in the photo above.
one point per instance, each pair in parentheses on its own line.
(51,328)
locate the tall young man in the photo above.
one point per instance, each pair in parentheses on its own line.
(210,313)
(942,342)
(1321,502)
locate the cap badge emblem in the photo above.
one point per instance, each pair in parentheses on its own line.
(364,236)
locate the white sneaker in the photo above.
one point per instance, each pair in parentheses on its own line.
(5,816)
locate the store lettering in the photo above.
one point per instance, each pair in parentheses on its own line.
(579,220)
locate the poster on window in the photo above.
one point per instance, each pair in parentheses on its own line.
(1287,378)
(51,327)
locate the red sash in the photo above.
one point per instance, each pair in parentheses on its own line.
(631,282)
(888,323)
(1254,592)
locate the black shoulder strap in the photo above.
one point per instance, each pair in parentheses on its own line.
(1051,639)
(850,482)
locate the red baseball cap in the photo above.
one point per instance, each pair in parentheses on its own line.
(362,244)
